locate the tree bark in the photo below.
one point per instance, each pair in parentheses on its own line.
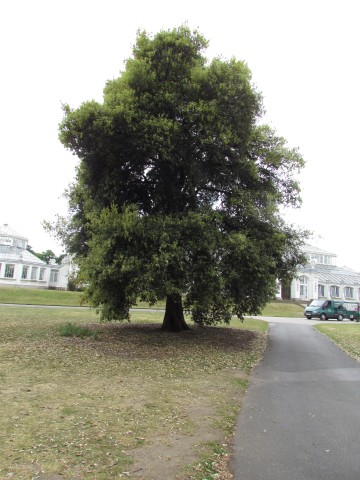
(174,320)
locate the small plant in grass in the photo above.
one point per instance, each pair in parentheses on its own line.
(72,330)
(211,467)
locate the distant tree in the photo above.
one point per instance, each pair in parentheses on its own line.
(60,258)
(30,249)
(179,188)
(46,256)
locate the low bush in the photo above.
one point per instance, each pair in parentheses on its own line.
(72,330)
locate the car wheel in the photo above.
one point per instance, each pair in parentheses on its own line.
(309,317)
(323,316)
(340,318)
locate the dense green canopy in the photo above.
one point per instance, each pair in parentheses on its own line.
(179,187)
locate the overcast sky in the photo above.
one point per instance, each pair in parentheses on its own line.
(304,56)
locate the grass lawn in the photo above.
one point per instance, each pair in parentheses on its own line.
(33,296)
(125,401)
(283,309)
(346,336)
(28,296)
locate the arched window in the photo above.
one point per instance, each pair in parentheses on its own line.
(303,286)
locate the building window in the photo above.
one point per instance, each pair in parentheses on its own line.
(25,271)
(334,291)
(9,270)
(5,241)
(34,273)
(321,290)
(327,260)
(303,286)
(54,276)
(349,292)
(19,243)
(322,259)
(42,274)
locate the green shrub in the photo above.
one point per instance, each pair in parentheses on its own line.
(71,330)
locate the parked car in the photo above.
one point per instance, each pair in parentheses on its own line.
(325,309)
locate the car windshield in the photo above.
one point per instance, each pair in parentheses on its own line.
(316,303)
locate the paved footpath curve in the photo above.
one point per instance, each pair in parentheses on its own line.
(300,418)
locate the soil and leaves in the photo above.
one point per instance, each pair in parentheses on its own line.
(346,337)
(83,400)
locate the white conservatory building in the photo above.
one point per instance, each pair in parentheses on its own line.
(20,268)
(320,278)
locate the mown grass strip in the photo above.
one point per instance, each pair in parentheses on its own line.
(33,296)
(346,337)
(29,296)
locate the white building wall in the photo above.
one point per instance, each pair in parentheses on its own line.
(344,291)
(305,287)
(60,282)
(18,281)
(334,281)
(39,274)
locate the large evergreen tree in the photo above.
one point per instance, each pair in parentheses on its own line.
(179,187)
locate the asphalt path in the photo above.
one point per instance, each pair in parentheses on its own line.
(300,418)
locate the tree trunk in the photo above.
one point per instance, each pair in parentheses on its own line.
(174,320)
